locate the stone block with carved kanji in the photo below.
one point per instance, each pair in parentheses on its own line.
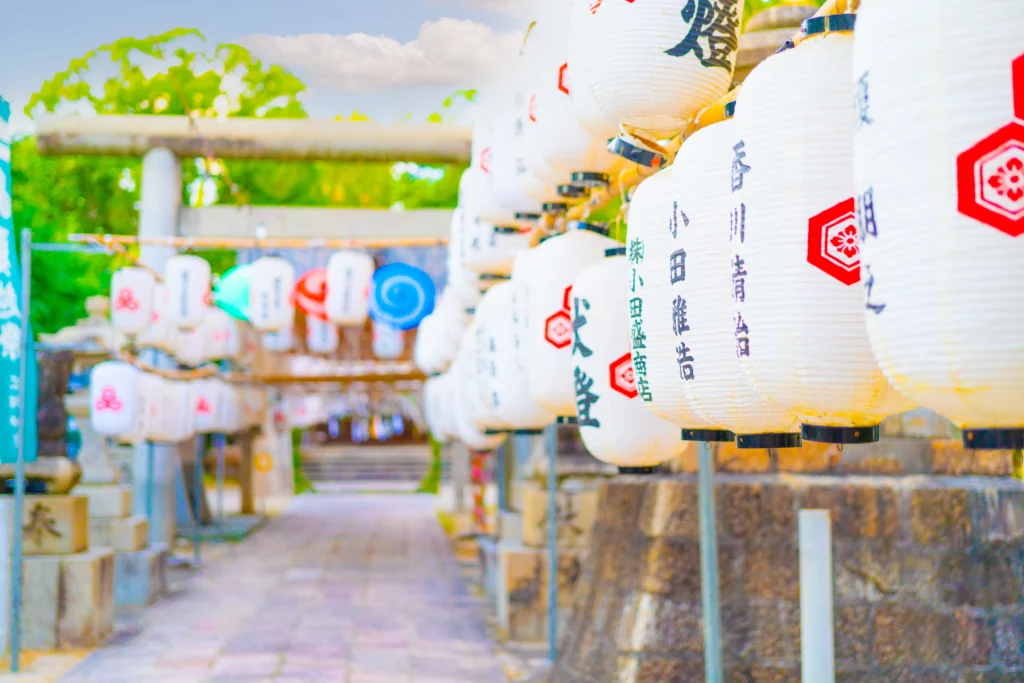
(55,525)
(576,511)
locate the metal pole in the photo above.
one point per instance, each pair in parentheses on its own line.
(221,443)
(19,467)
(197,499)
(501,456)
(817,644)
(149,482)
(709,567)
(551,444)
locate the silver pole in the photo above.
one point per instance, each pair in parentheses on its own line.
(221,441)
(551,444)
(709,567)
(817,642)
(19,467)
(197,499)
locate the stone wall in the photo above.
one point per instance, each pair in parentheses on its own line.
(929,580)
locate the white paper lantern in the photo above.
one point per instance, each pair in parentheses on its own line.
(349,274)
(553,131)
(614,424)
(321,336)
(556,263)
(132,292)
(940,197)
(188,287)
(490,250)
(581,88)
(656,269)
(474,373)
(270,294)
(507,388)
(206,402)
(227,337)
(114,398)
(693,306)
(280,341)
(388,342)
(796,262)
(462,411)
(168,410)
(160,334)
(655,64)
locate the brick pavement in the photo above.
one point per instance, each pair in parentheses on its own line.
(351,588)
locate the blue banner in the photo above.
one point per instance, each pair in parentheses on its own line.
(11,320)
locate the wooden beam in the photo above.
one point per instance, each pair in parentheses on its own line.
(250,138)
(314,223)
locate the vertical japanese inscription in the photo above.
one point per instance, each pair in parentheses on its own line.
(738,234)
(638,337)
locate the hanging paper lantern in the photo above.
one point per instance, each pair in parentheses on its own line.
(614,424)
(553,131)
(232,292)
(349,274)
(655,64)
(132,292)
(581,88)
(507,387)
(114,398)
(401,296)
(160,334)
(692,337)
(168,410)
(280,341)
(321,336)
(310,293)
(462,411)
(270,288)
(188,285)
(226,336)
(490,250)
(388,342)
(206,400)
(477,366)
(795,265)
(231,412)
(939,156)
(556,263)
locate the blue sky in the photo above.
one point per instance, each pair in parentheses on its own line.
(413,53)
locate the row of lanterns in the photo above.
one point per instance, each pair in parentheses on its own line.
(129,403)
(843,248)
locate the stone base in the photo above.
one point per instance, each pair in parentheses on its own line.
(125,535)
(140,577)
(107,500)
(522,590)
(576,511)
(68,601)
(55,525)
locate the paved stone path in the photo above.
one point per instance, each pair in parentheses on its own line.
(340,588)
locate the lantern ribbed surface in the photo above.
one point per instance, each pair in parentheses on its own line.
(655,64)
(553,131)
(940,189)
(465,404)
(188,285)
(509,392)
(488,250)
(697,309)
(205,395)
(795,260)
(160,334)
(522,275)
(131,299)
(654,278)
(348,287)
(270,294)
(615,425)
(581,89)
(556,263)
(114,398)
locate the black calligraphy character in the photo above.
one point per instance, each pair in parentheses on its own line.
(742,347)
(738,222)
(741,325)
(679,324)
(869,283)
(636,251)
(585,399)
(714,21)
(739,274)
(579,319)
(637,335)
(866,214)
(685,361)
(861,100)
(677,266)
(739,167)
(673,223)
(640,365)
(41,523)
(636,307)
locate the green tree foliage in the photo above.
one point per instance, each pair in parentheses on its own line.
(172,74)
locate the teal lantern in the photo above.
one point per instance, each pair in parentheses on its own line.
(232,292)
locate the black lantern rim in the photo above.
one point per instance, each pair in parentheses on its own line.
(993,439)
(840,435)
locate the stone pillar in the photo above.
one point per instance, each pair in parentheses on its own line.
(158,217)
(94,457)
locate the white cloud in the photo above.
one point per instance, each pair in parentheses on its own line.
(449,52)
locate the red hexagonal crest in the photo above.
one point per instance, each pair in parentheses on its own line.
(832,244)
(558,330)
(567,298)
(485,160)
(990,179)
(562,84)
(622,377)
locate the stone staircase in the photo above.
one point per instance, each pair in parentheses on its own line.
(364,465)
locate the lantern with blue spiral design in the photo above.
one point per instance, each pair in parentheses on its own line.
(401,296)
